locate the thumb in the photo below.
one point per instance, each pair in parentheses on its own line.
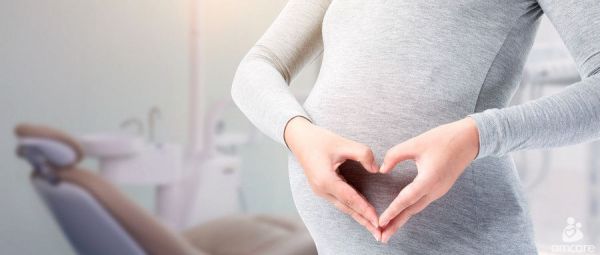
(395,155)
(363,154)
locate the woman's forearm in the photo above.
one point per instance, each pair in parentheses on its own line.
(260,86)
(569,117)
(263,96)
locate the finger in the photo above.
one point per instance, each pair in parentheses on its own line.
(395,155)
(355,201)
(363,154)
(376,232)
(408,196)
(399,221)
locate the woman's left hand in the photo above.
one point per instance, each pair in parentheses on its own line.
(441,155)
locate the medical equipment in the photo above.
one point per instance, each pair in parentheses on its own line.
(98,219)
(185,179)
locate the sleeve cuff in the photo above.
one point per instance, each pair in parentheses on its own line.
(489,136)
(287,121)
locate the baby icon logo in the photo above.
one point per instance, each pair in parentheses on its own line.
(572,232)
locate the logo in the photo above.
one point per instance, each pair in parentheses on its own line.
(571,234)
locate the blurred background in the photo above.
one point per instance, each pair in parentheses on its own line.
(163,69)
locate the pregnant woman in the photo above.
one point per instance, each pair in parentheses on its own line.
(402,146)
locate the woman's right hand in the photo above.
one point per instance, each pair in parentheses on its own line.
(320,152)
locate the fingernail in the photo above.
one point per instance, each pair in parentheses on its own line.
(381,167)
(376,237)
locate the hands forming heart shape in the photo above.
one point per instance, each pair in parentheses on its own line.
(441,155)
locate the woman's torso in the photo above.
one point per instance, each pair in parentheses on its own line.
(394,69)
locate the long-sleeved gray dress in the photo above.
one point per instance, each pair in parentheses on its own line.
(394,69)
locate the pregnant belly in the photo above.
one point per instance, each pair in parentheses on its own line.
(385,111)
(380,114)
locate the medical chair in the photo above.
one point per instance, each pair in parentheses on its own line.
(98,219)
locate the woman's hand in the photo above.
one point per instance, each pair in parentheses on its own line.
(320,153)
(441,155)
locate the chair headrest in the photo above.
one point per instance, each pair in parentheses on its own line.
(60,149)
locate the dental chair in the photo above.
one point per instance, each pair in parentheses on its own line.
(97,218)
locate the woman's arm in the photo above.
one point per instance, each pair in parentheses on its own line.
(260,90)
(569,117)
(260,86)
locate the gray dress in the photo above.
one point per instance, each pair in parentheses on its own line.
(394,69)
